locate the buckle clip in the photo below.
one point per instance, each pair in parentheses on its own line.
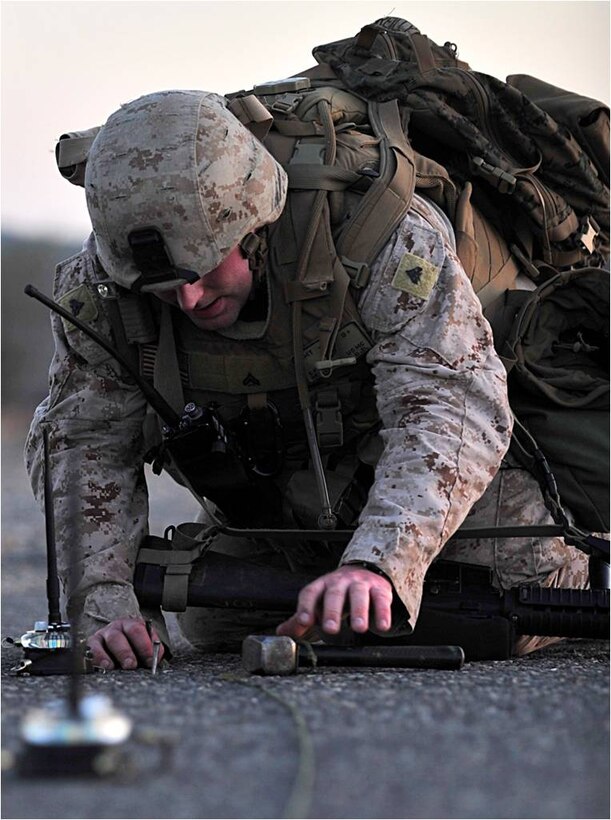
(329,423)
(286,103)
(357,271)
(309,153)
(503,181)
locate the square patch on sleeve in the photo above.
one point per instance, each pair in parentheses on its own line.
(415,276)
(80,303)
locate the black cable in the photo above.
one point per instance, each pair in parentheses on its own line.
(154,397)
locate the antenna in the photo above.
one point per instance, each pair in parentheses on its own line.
(53,594)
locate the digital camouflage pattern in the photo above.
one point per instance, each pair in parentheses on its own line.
(442,400)
(94,416)
(180,162)
(441,396)
(515,496)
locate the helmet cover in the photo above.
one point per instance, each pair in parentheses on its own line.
(181,163)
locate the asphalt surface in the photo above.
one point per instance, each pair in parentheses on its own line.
(526,738)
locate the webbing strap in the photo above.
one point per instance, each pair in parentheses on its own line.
(175,588)
(423,52)
(251,112)
(112,308)
(317,250)
(167,374)
(296,128)
(178,562)
(320,177)
(389,197)
(137,319)
(501,282)
(298,292)
(168,557)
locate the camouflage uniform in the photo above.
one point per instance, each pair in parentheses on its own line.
(446,425)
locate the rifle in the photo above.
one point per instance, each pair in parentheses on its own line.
(460,605)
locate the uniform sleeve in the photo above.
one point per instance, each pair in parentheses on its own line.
(442,399)
(93,415)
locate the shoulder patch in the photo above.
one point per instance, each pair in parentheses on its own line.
(415,276)
(80,303)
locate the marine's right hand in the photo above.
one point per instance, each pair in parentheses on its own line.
(124,643)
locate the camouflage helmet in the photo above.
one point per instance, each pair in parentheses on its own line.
(173,183)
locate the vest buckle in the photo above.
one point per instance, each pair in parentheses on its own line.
(329,423)
(357,271)
(503,181)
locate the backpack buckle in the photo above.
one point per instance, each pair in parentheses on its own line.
(503,181)
(286,103)
(329,424)
(309,153)
(357,271)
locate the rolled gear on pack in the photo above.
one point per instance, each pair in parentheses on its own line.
(541,177)
(556,351)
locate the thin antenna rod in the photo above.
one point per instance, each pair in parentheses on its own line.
(76,646)
(53,599)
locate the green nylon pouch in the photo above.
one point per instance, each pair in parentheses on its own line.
(559,385)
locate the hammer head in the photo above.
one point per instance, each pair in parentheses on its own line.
(269,655)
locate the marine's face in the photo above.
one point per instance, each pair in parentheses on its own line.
(214,302)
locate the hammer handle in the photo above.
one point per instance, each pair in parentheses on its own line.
(404,657)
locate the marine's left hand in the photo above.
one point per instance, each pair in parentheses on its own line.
(322,601)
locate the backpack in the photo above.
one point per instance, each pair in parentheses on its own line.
(544,179)
(521,170)
(554,342)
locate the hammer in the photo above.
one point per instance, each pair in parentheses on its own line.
(281,655)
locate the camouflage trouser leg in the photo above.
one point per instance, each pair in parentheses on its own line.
(514,497)
(215,629)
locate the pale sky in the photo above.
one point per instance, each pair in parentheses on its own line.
(67,66)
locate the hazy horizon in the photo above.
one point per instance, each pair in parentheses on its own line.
(67,65)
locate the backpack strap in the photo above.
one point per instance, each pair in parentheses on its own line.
(111,296)
(388,199)
(167,372)
(177,551)
(251,112)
